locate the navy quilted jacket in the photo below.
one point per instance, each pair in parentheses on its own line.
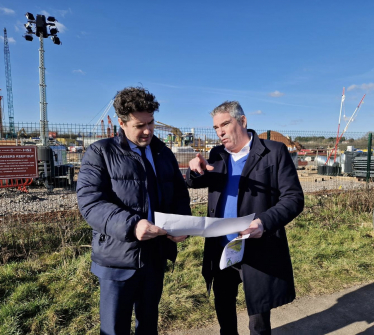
(112,197)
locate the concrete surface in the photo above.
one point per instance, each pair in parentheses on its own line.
(348,312)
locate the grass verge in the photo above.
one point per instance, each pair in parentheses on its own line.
(49,289)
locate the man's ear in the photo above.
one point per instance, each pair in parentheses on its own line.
(244,121)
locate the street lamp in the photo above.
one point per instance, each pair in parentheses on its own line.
(38,26)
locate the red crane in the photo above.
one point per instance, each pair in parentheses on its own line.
(110,127)
(339,136)
(102,129)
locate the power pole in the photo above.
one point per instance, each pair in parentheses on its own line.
(8,76)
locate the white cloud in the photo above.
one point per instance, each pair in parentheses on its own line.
(258,112)
(79,71)
(61,27)
(10,39)
(364,87)
(276,94)
(7,11)
(19,26)
(63,12)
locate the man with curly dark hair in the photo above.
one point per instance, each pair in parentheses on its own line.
(134,99)
(122,182)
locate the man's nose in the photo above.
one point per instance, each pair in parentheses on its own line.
(147,130)
(220,132)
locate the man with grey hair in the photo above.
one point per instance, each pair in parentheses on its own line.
(248,175)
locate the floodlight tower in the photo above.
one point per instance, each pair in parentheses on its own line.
(1,116)
(41,23)
(8,76)
(38,27)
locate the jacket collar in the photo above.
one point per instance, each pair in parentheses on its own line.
(156,144)
(255,154)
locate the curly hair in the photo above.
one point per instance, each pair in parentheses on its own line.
(134,99)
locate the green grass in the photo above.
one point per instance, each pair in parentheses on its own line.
(331,245)
(53,291)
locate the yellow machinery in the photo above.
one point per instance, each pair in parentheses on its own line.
(179,139)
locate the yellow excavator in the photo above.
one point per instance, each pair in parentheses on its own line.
(22,133)
(175,136)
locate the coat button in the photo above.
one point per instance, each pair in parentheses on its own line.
(212,210)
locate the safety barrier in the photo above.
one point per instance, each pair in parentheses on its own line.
(19,183)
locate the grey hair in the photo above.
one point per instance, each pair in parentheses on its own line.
(231,107)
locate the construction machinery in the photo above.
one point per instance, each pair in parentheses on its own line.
(175,137)
(110,129)
(101,119)
(102,129)
(351,119)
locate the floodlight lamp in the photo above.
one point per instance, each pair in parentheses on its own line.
(28,27)
(56,40)
(51,19)
(29,16)
(28,37)
(53,31)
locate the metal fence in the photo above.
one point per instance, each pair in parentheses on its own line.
(310,150)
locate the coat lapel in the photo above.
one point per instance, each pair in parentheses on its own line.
(255,154)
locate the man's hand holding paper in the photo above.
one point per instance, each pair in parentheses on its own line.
(255,229)
(181,225)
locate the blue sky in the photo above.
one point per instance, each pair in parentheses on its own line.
(286,62)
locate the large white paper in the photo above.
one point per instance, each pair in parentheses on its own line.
(180,225)
(233,252)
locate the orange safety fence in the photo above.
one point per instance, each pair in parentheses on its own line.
(19,183)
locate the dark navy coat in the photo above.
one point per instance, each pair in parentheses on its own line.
(269,186)
(112,197)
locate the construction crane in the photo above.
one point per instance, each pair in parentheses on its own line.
(110,104)
(102,129)
(351,119)
(8,76)
(110,127)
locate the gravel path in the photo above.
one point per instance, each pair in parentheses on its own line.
(37,200)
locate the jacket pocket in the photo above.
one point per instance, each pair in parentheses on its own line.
(109,252)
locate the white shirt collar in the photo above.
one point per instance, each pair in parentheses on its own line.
(243,151)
